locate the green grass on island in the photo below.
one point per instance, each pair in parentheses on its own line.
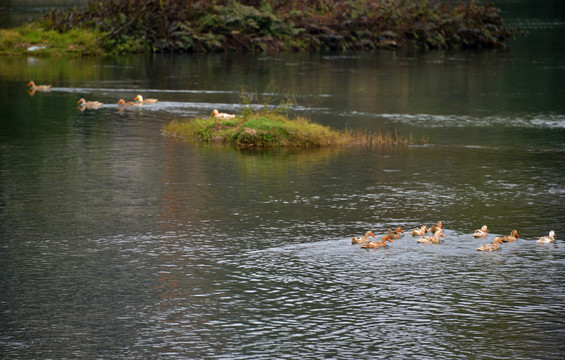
(32,38)
(272,129)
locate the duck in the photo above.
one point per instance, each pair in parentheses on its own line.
(432,239)
(89,104)
(362,240)
(420,232)
(491,247)
(122,102)
(377,244)
(220,115)
(141,100)
(435,227)
(510,238)
(395,234)
(34,87)
(547,239)
(482,232)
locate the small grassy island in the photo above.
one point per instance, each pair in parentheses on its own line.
(273,129)
(143,26)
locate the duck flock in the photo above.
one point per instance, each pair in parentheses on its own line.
(92,105)
(437,232)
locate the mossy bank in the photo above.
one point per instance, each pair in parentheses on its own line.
(140,26)
(33,39)
(271,129)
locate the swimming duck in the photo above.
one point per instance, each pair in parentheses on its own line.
(432,239)
(220,115)
(435,227)
(482,232)
(141,100)
(89,104)
(122,102)
(491,247)
(362,240)
(547,239)
(510,238)
(395,234)
(377,244)
(34,87)
(420,232)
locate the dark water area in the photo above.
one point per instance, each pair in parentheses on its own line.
(119,242)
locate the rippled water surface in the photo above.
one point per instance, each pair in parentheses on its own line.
(119,242)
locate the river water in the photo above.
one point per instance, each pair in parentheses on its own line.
(119,242)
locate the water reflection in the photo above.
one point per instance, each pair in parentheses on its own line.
(120,242)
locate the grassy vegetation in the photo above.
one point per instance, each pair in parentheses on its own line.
(273,129)
(134,26)
(34,39)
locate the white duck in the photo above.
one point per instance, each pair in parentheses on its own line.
(547,239)
(220,115)
(141,100)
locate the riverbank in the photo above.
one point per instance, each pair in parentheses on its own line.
(269,26)
(33,39)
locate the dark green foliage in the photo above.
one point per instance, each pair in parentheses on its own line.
(268,25)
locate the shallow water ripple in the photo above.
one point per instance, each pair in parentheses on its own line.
(432,302)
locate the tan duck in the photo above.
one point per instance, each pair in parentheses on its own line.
(420,232)
(395,234)
(220,115)
(436,227)
(122,102)
(377,244)
(432,239)
(510,238)
(83,104)
(362,240)
(548,238)
(482,232)
(35,88)
(491,247)
(141,100)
